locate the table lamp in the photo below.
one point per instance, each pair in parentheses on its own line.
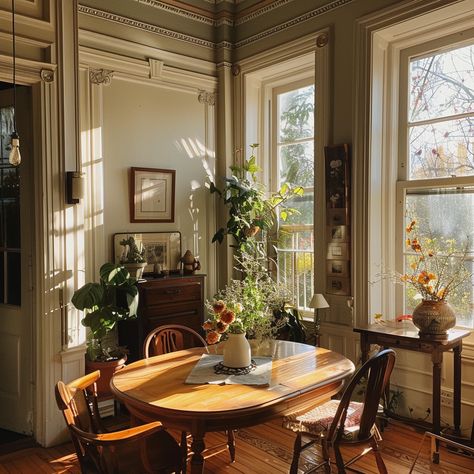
(317,302)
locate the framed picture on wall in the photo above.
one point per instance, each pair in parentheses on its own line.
(338,286)
(338,233)
(152,194)
(339,268)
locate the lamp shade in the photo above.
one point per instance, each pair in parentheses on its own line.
(318,301)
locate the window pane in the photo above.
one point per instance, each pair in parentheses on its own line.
(446,218)
(297,164)
(442,84)
(296,114)
(442,149)
(304,205)
(6,128)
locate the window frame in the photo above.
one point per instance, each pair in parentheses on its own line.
(404,184)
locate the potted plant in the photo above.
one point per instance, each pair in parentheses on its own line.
(133,257)
(251,208)
(113,299)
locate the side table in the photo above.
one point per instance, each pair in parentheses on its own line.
(405,336)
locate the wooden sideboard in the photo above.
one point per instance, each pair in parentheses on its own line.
(168,300)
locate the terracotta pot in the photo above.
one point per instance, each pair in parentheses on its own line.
(107,370)
(237,352)
(434,318)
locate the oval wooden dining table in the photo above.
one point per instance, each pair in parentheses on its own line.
(155,389)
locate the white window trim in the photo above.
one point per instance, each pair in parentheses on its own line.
(381,39)
(258,75)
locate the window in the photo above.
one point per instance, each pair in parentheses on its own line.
(293,129)
(436,185)
(10,244)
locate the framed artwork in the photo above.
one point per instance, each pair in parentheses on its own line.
(338,286)
(152,195)
(337,233)
(338,252)
(162,249)
(339,268)
(337,176)
(337,181)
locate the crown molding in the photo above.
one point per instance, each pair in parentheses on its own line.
(140,25)
(149,71)
(94,42)
(294,21)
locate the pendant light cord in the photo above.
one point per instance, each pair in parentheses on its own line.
(14,66)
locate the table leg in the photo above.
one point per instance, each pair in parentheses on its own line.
(364,346)
(197,460)
(437,359)
(457,388)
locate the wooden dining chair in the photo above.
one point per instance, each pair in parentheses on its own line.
(143,449)
(338,422)
(170,338)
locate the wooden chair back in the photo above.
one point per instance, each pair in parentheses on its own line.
(376,372)
(78,403)
(171,338)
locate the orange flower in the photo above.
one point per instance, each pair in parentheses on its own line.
(430,253)
(221,327)
(441,293)
(212,337)
(423,278)
(413,265)
(227,316)
(409,228)
(404,278)
(408,242)
(218,306)
(432,276)
(208,325)
(415,245)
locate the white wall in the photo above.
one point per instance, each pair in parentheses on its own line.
(154,127)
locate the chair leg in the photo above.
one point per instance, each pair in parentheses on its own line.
(296,454)
(339,459)
(231,444)
(325,453)
(378,457)
(184,451)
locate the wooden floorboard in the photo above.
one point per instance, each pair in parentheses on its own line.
(264,449)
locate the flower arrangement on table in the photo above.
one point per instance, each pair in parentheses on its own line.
(247,305)
(434,274)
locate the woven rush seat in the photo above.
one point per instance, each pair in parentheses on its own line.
(319,419)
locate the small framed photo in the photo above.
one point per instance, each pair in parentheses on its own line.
(336,217)
(152,195)
(338,252)
(338,286)
(338,233)
(339,268)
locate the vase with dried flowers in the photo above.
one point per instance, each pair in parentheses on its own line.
(435,275)
(245,308)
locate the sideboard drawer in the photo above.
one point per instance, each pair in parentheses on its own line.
(160,295)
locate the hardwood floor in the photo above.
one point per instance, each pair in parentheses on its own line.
(262,449)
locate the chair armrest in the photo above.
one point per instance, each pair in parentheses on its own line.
(117,437)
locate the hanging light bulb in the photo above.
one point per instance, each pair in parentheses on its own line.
(15,157)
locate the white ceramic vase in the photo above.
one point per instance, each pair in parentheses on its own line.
(237,353)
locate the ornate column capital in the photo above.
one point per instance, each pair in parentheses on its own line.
(322,40)
(47,75)
(101,76)
(208,98)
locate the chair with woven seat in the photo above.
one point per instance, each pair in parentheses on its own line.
(338,422)
(143,449)
(170,338)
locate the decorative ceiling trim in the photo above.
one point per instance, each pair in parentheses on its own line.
(179,11)
(288,24)
(261,11)
(144,26)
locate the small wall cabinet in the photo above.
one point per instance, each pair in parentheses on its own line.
(169,300)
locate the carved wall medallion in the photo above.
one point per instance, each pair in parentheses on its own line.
(322,40)
(235,69)
(47,75)
(208,98)
(101,76)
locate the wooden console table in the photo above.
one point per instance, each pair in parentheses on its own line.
(405,336)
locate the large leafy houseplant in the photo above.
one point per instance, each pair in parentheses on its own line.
(251,208)
(113,299)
